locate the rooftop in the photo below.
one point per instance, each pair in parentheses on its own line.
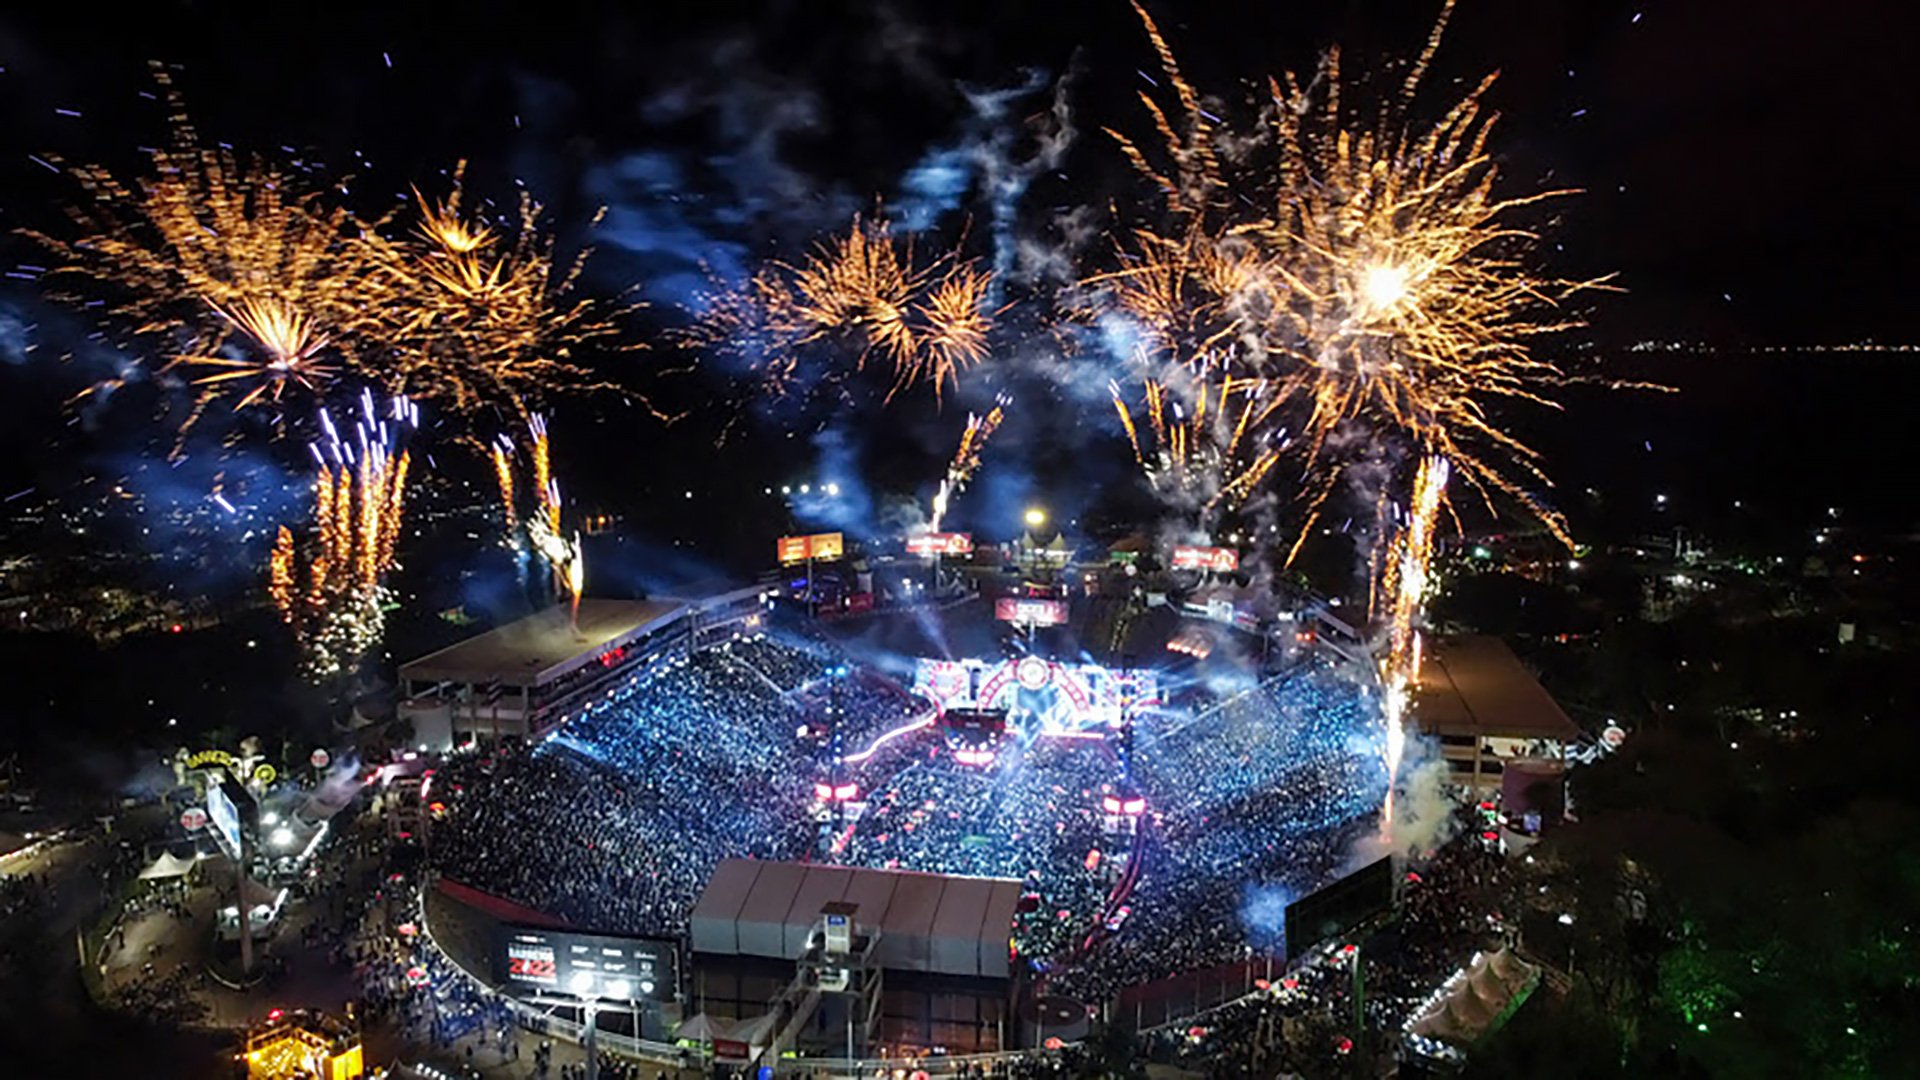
(1476,686)
(542,646)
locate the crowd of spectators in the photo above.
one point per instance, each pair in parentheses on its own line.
(616,821)
(1256,801)
(1303,1023)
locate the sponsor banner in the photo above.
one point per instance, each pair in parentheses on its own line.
(1220,560)
(797,549)
(940,544)
(1030,612)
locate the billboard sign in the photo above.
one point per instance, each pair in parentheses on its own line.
(224,818)
(1339,907)
(1217,559)
(595,965)
(798,549)
(1030,612)
(940,544)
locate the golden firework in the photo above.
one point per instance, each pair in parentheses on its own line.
(855,297)
(543,531)
(966,458)
(1347,262)
(235,264)
(482,317)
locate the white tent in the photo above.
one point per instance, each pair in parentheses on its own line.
(1477,999)
(168,865)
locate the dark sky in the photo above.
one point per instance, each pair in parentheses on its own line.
(1751,148)
(1747,170)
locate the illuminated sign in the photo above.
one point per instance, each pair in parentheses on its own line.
(593,965)
(532,962)
(1030,612)
(798,549)
(1220,560)
(225,819)
(207,759)
(940,544)
(1036,695)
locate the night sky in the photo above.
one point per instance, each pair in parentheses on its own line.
(1745,165)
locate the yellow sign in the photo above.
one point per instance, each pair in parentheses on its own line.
(207,759)
(793,549)
(264,774)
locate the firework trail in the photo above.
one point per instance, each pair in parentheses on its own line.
(966,459)
(855,297)
(358,510)
(502,451)
(1408,559)
(542,527)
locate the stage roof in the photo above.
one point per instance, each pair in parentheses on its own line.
(542,646)
(1476,686)
(928,922)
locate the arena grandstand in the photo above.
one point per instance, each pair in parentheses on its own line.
(1128,843)
(521,679)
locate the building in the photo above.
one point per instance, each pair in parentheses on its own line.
(524,678)
(1486,710)
(887,960)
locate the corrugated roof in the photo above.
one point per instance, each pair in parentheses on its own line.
(1476,686)
(543,646)
(927,922)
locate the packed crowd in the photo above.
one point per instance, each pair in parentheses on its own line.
(1033,816)
(617,821)
(1257,800)
(1303,1023)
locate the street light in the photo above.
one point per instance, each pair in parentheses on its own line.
(1036,517)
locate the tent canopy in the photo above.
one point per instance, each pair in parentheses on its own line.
(168,865)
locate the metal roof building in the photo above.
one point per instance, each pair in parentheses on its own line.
(1487,709)
(930,923)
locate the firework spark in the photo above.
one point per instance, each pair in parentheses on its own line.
(966,459)
(543,532)
(483,317)
(234,264)
(1348,263)
(359,508)
(856,297)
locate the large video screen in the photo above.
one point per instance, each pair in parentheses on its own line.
(1039,696)
(596,965)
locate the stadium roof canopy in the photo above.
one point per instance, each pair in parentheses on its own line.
(543,646)
(930,923)
(1476,686)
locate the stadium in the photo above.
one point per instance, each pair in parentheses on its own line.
(1031,802)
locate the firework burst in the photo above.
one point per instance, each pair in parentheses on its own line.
(855,298)
(235,265)
(330,589)
(1347,263)
(484,317)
